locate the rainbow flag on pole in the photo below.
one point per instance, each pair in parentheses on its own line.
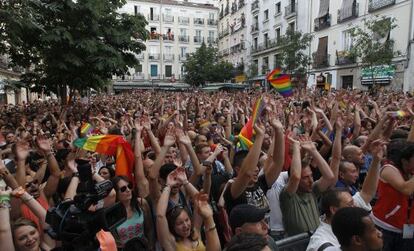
(246,133)
(86,129)
(114,145)
(281,82)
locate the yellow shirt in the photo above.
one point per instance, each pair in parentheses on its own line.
(198,246)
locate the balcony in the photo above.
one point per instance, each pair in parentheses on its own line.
(226,31)
(168,37)
(354,14)
(153,18)
(198,21)
(344,58)
(255,27)
(211,40)
(375,5)
(183,39)
(241,4)
(140,56)
(290,10)
(270,43)
(154,36)
(155,76)
(226,52)
(183,57)
(198,39)
(212,22)
(237,48)
(153,56)
(168,57)
(320,61)
(184,20)
(255,6)
(168,18)
(138,76)
(322,22)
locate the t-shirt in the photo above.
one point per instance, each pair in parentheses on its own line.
(300,211)
(255,195)
(131,228)
(276,223)
(352,189)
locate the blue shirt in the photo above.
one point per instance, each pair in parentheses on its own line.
(352,189)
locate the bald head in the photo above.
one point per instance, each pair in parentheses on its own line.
(353,154)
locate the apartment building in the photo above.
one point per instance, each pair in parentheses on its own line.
(270,21)
(233,34)
(177,28)
(331,23)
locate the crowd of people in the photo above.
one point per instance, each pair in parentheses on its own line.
(336,165)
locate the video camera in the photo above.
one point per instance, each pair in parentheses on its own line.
(76,226)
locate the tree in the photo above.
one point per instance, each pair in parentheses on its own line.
(80,44)
(204,66)
(372,44)
(292,57)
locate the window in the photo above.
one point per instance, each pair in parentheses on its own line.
(346,40)
(168,71)
(277,33)
(211,16)
(154,70)
(183,52)
(292,26)
(151,13)
(211,34)
(275,61)
(278,8)
(255,42)
(266,39)
(168,49)
(138,68)
(183,32)
(198,33)
(135,10)
(266,15)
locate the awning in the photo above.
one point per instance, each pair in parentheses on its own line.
(323,8)
(346,9)
(322,49)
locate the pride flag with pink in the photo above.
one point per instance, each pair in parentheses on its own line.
(281,82)
(246,133)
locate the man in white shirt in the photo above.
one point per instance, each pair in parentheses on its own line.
(277,231)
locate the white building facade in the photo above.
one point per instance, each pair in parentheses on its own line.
(233,33)
(177,28)
(331,22)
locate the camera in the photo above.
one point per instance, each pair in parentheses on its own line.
(76,226)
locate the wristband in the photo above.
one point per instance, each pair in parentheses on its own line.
(75,174)
(5,204)
(4,198)
(210,228)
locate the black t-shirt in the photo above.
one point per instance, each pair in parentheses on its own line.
(255,195)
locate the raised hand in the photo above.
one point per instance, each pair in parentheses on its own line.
(276,124)
(169,139)
(306,143)
(259,128)
(376,148)
(202,206)
(183,138)
(181,175)
(22,150)
(138,126)
(172,180)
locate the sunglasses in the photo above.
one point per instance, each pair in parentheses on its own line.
(34,182)
(124,188)
(174,209)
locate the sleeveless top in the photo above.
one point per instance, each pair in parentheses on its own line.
(28,214)
(179,246)
(131,228)
(391,210)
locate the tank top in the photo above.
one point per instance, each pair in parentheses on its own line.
(391,210)
(131,228)
(179,246)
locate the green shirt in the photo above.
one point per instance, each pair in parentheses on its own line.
(300,211)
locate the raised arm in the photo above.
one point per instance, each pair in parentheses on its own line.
(21,150)
(165,238)
(337,148)
(249,163)
(52,182)
(6,238)
(205,211)
(140,180)
(169,140)
(295,168)
(327,180)
(154,142)
(371,180)
(278,155)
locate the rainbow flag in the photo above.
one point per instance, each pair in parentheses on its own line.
(114,145)
(246,133)
(281,82)
(86,129)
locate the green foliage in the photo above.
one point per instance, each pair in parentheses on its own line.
(80,44)
(371,42)
(292,56)
(204,66)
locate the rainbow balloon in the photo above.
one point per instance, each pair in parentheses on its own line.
(281,82)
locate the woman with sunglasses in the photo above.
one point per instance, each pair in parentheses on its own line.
(175,230)
(139,222)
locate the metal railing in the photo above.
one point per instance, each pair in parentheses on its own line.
(320,61)
(255,5)
(168,37)
(153,56)
(154,36)
(211,21)
(154,18)
(183,20)
(211,40)
(198,21)
(198,39)
(291,10)
(322,22)
(168,18)
(255,27)
(140,56)
(168,57)
(183,39)
(344,58)
(374,5)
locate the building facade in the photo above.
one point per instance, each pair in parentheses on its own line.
(331,22)
(177,28)
(234,34)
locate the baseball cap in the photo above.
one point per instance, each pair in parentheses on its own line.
(246,213)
